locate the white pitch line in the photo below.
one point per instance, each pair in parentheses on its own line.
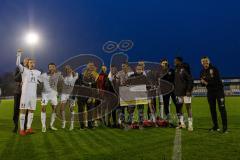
(177,150)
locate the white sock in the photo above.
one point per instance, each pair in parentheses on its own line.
(161,111)
(153,118)
(169,106)
(72,116)
(181,119)
(53,116)
(63,123)
(63,115)
(22,121)
(119,121)
(43,119)
(30,119)
(190,121)
(72,122)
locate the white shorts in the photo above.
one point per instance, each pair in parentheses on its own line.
(184,99)
(51,96)
(28,102)
(64,97)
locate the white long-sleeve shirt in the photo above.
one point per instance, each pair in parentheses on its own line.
(29,78)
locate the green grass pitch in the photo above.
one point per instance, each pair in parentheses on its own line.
(111,144)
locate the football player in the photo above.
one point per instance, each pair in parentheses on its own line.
(50,82)
(68,84)
(28,100)
(183,90)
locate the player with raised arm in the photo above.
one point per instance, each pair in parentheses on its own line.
(29,92)
(68,84)
(50,82)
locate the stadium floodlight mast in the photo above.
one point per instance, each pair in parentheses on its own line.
(32,39)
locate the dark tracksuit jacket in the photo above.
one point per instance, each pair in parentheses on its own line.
(17,97)
(169,77)
(215,92)
(87,81)
(106,84)
(183,81)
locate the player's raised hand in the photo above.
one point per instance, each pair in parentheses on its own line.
(20,51)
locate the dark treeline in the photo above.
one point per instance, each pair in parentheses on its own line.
(7,84)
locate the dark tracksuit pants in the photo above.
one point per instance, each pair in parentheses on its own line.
(214,98)
(17,98)
(82,101)
(90,115)
(101,112)
(16,111)
(166,99)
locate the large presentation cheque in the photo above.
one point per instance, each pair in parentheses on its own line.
(133,95)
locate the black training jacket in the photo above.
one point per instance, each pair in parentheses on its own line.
(212,76)
(183,81)
(169,76)
(18,81)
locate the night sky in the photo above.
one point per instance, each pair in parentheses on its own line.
(158,28)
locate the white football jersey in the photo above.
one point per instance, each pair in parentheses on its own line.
(30,81)
(29,78)
(50,82)
(69,82)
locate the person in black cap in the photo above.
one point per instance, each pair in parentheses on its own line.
(210,78)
